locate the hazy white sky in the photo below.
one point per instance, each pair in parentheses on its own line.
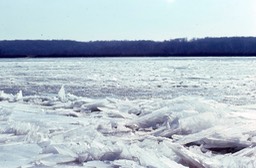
(86,20)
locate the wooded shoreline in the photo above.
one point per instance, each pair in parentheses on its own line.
(216,47)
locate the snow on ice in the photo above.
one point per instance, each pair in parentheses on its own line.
(65,130)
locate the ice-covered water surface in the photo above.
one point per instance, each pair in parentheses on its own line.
(152,113)
(230,80)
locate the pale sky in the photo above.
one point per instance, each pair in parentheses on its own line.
(89,20)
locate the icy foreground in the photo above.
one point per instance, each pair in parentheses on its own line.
(64,130)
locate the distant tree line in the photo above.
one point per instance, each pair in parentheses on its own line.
(223,46)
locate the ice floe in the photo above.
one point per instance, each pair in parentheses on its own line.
(65,130)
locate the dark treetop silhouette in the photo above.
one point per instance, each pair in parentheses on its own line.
(223,46)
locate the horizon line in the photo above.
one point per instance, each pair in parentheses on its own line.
(119,40)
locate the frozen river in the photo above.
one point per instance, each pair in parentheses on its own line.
(231,80)
(128,112)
